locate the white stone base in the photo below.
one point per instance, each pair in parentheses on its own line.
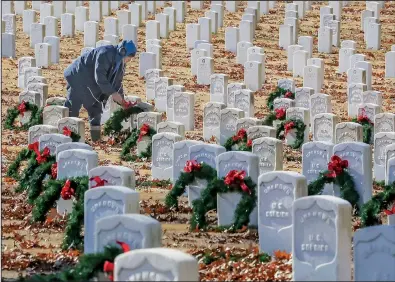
(64,206)
(391,219)
(143,144)
(226,206)
(195,189)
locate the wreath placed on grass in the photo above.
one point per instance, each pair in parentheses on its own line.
(113,125)
(338,174)
(234,181)
(240,140)
(192,170)
(65,188)
(370,211)
(75,137)
(36,159)
(133,139)
(34,185)
(277,114)
(367,126)
(89,266)
(288,125)
(25,154)
(12,113)
(278,93)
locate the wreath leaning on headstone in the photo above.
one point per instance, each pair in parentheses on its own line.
(277,114)
(67,189)
(192,170)
(36,159)
(279,93)
(338,174)
(75,137)
(113,125)
(234,181)
(239,140)
(367,126)
(20,110)
(288,125)
(370,211)
(135,137)
(89,266)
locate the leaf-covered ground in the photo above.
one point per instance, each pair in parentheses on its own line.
(34,248)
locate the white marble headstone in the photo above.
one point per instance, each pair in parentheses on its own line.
(114,175)
(101,202)
(162,155)
(277,191)
(159,264)
(136,230)
(321,241)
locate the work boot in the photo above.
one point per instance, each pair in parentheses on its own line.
(95,133)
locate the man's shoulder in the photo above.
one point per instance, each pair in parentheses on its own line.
(106,49)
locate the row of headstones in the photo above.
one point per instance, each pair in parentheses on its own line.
(278,215)
(320,243)
(326,130)
(316,229)
(170,155)
(47,30)
(230,120)
(280,218)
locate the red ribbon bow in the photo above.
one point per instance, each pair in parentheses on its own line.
(236,177)
(192,166)
(336,166)
(66,131)
(67,192)
(280,113)
(288,94)
(109,266)
(54,170)
(40,157)
(363,117)
(249,143)
(22,108)
(391,211)
(33,147)
(144,129)
(128,104)
(99,181)
(240,135)
(288,126)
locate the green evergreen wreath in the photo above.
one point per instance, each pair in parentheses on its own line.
(12,113)
(75,137)
(28,175)
(208,201)
(113,125)
(132,140)
(34,185)
(367,127)
(370,211)
(289,124)
(52,192)
(336,173)
(88,267)
(279,93)
(202,171)
(241,140)
(23,155)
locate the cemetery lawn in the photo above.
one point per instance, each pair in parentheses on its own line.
(34,248)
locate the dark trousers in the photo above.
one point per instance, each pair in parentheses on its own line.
(76,98)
